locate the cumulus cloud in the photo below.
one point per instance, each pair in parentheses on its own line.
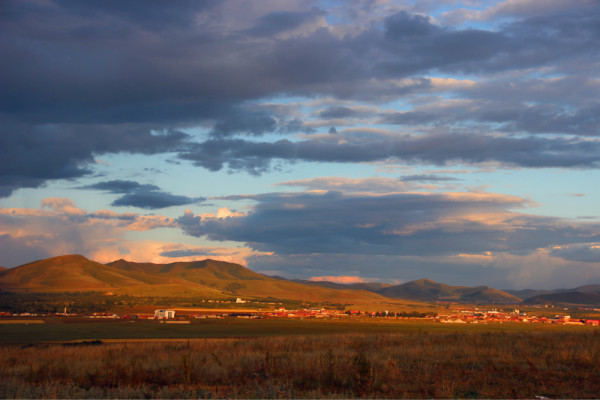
(59,227)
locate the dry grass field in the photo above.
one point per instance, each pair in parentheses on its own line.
(412,364)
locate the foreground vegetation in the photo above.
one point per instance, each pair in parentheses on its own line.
(413,364)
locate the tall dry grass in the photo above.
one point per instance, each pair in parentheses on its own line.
(411,365)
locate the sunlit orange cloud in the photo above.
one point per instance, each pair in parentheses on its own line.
(62,205)
(450,83)
(59,227)
(484,258)
(497,221)
(338,279)
(222,213)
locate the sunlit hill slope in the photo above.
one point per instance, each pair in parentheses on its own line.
(206,278)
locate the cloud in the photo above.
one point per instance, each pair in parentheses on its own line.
(378,185)
(415,224)
(279,22)
(515,9)
(59,227)
(141,196)
(338,279)
(32,154)
(101,77)
(435,148)
(587,253)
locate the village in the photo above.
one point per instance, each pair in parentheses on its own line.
(451,315)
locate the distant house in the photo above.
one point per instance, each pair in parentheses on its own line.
(164,314)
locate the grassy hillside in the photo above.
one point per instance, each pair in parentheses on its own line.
(237,280)
(207,279)
(71,272)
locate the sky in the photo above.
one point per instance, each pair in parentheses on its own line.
(348,140)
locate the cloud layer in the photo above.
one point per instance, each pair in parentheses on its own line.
(416,228)
(107,77)
(253,88)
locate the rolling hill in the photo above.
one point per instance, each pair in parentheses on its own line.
(426,289)
(236,280)
(208,278)
(72,272)
(582,295)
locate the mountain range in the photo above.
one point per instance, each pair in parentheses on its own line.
(219,279)
(428,290)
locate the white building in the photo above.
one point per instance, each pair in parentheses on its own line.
(164,314)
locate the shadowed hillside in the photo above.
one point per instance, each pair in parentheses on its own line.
(566,298)
(426,289)
(370,286)
(578,295)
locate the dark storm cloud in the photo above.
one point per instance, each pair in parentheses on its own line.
(146,72)
(141,195)
(246,122)
(278,22)
(393,224)
(439,149)
(337,112)
(152,15)
(31,154)
(94,67)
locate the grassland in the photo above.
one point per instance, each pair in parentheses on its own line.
(301,359)
(70,329)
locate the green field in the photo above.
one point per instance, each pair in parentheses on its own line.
(60,330)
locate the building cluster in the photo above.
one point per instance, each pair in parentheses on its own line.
(454,315)
(477,316)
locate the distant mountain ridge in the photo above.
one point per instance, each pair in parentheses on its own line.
(565,298)
(429,290)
